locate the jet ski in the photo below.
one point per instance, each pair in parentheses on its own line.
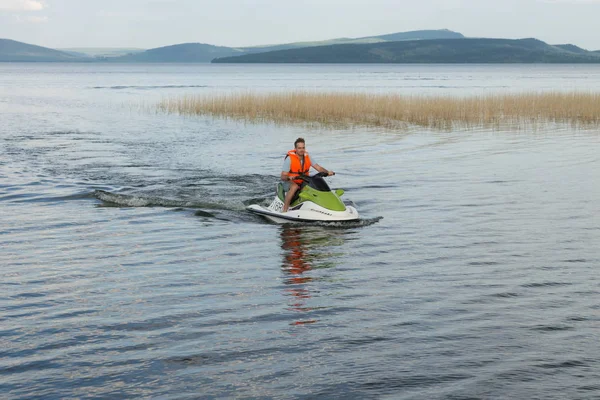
(313,202)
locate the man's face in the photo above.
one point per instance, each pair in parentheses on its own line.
(300,149)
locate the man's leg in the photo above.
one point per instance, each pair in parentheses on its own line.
(288,196)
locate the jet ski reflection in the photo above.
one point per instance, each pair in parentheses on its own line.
(304,254)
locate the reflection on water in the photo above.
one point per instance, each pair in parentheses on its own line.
(306,250)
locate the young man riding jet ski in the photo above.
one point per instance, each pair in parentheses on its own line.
(308,198)
(297,163)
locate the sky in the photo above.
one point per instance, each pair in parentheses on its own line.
(235,23)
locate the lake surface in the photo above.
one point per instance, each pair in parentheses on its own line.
(129,267)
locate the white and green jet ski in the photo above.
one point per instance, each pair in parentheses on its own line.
(313,202)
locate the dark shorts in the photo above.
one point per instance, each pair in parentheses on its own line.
(287,184)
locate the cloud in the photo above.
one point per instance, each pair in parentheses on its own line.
(21,5)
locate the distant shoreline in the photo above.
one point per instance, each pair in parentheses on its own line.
(419,47)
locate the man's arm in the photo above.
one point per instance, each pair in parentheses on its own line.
(323,170)
(285,176)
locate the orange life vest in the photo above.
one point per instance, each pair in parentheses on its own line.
(296,166)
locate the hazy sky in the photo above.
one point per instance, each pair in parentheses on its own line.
(154,23)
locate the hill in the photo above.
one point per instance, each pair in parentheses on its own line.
(11,50)
(419,35)
(425,46)
(412,35)
(102,51)
(572,48)
(427,51)
(200,52)
(178,53)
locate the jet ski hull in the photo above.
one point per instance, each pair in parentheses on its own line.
(305,212)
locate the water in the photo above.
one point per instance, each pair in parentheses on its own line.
(129,267)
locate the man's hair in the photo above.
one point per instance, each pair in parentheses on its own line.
(299,140)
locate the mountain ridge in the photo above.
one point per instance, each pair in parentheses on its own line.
(423,46)
(181,53)
(14,51)
(466,50)
(196,52)
(409,35)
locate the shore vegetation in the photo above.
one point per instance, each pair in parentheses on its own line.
(579,109)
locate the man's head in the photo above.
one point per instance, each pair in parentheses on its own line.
(300,146)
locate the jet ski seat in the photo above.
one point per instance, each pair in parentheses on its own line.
(281,193)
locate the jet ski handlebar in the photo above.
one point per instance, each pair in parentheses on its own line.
(324,174)
(306,178)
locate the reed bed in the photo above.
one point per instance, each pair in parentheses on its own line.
(580,109)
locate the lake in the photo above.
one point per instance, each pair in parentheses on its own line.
(129,267)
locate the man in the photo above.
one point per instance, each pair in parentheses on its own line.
(296,163)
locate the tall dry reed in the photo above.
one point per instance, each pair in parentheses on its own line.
(393,111)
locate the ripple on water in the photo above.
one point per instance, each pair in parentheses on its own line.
(471,275)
